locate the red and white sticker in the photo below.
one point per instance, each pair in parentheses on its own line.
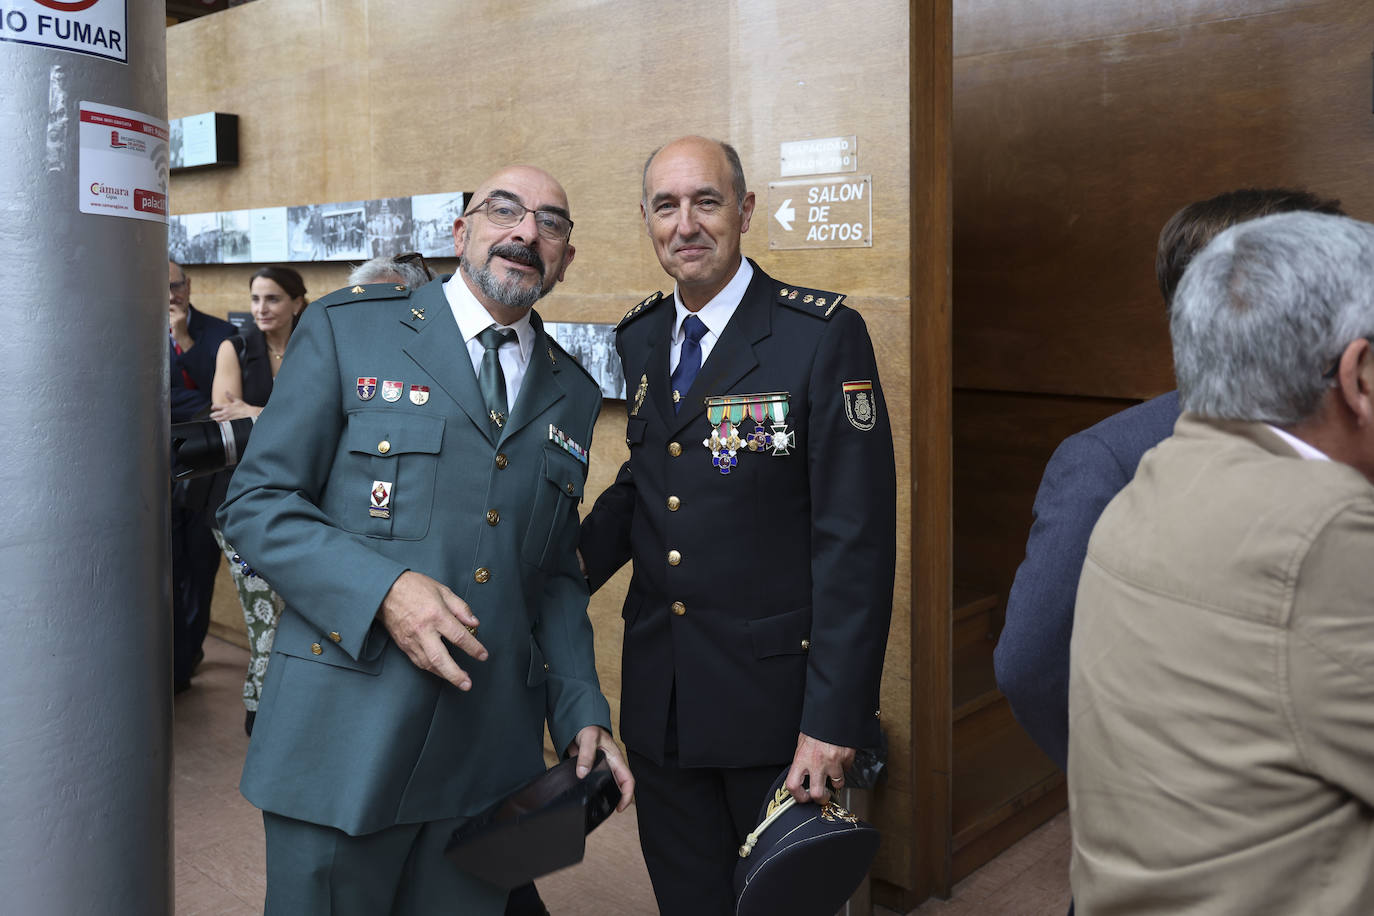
(123,169)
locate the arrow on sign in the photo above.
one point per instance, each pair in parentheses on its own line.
(786,213)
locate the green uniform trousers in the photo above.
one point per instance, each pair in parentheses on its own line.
(321,871)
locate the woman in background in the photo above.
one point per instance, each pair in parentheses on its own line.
(245,368)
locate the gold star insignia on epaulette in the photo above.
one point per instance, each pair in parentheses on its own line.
(400,288)
(808,297)
(415,314)
(357,289)
(820,303)
(783,292)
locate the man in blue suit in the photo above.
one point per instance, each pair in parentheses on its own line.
(1085,472)
(415,477)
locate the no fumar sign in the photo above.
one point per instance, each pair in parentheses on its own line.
(834,212)
(98,28)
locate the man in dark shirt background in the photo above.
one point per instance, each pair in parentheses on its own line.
(193,340)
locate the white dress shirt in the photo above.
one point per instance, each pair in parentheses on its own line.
(715,314)
(473,318)
(1305,449)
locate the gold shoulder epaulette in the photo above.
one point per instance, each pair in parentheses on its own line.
(640,309)
(816,302)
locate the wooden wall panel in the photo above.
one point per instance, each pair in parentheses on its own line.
(1001,444)
(359,99)
(1070,156)
(1080,126)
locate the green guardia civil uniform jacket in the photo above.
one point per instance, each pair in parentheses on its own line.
(377,456)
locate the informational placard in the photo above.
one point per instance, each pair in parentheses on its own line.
(123,170)
(95,27)
(818,157)
(821,213)
(348,231)
(211,138)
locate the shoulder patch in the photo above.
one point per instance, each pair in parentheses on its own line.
(560,357)
(370,291)
(816,302)
(641,309)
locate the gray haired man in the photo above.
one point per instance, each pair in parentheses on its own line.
(1221,688)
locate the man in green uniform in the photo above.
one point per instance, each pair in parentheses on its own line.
(412,489)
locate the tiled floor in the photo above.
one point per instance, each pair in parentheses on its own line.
(219,845)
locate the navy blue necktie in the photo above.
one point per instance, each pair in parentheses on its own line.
(688,360)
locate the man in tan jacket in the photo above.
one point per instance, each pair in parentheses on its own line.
(1221,698)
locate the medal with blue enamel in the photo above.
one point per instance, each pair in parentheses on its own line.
(726,412)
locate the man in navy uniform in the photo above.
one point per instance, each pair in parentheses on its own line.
(758,506)
(417,474)
(193,340)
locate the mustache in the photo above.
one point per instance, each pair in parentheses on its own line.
(520,254)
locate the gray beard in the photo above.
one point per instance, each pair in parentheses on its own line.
(509,292)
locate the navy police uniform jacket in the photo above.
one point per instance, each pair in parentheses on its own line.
(764,593)
(378,389)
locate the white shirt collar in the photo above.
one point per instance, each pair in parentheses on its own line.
(716,313)
(473,317)
(1305,449)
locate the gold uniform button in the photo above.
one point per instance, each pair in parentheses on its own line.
(674,558)
(316,648)
(679,608)
(493,516)
(674,449)
(570,488)
(383,447)
(877,713)
(673,503)
(501,461)
(546,666)
(806,645)
(482,574)
(334,635)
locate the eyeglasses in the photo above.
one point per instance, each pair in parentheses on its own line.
(504,212)
(414,257)
(176,285)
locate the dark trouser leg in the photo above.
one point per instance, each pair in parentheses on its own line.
(691,824)
(195,560)
(525,901)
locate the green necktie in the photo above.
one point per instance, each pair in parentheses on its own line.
(490,379)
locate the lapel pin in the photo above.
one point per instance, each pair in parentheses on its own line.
(417,314)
